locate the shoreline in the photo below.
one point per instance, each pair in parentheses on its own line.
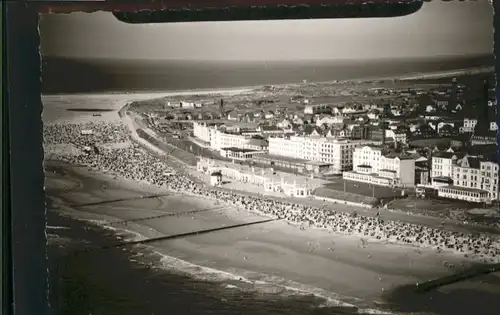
(414,76)
(157,267)
(192,263)
(266,247)
(332,201)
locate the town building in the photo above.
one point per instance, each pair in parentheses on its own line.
(397,135)
(220,139)
(216,178)
(443,162)
(317,109)
(384,167)
(227,140)
(240,154)
(482,133)
(470,124)
(271,181)
(298,165)
(203,131)
(333,151)
(475,179)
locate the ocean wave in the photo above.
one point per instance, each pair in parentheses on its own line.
(241,279)
(261,283)
(125,234)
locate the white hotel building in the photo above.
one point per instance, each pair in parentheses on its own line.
(474,179)
(219,139)
(382,167)
(442,165)
(290,185)
(204,132)
(337,152)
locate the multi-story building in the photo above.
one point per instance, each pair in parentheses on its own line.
(227,140)
(397,135)
(204,132)
(475,179)
(442,164)
(219,139)
(318,109)
(271,181)
(379,166)
(337,152)
(470,124)
(290,147)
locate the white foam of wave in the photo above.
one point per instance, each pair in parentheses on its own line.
(56,239)
(128,235)
(214,275)
(50,227)
(266,284)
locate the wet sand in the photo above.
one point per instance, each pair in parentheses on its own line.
(273,252)
(271,255)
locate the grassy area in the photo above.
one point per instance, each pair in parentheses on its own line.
(341,195)
(363,189)
(436,207)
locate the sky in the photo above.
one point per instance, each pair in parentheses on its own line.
(438,28)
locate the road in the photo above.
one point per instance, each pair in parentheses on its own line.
(432,222)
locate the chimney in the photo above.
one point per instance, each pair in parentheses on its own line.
(383,133)
(221,107)
(429,161)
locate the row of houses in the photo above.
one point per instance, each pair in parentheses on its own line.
(463,176)
(332,151)
(271,181)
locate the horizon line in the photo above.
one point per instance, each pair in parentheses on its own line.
(434,57)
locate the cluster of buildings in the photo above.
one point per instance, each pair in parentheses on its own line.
(383,166)
(270,180)
(465,176)
(365,143)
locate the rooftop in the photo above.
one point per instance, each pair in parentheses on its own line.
(234,149)
(290,159)
(442,179)
(448,155)
(465,189)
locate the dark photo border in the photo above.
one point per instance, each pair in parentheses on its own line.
(24,263)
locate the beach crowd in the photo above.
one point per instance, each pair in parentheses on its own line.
(136,163)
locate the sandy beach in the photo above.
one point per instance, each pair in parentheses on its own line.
(361,275)
(264,258)
(77,108)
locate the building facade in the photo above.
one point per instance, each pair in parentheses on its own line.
(470,125)
(442,164)
(318,109)
(378,166)
(336,152)
(292,186)
(474,179)
(204,132)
